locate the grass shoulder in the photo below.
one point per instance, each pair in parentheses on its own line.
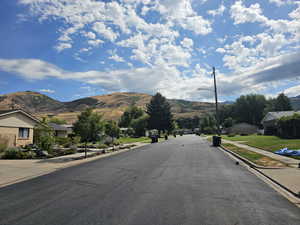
(126,140)
(254,157)
(268,143)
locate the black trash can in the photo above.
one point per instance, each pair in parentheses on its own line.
(216,141)
(154,139)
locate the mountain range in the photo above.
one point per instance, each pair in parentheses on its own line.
(111,106)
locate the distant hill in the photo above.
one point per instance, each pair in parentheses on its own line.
(111,106)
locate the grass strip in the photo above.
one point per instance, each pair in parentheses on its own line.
(126,140)
(268,143)
(254,157)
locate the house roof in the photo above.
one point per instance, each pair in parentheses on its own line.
(7,112)
(277,115)
(59,127)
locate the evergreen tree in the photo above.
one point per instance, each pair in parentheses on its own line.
(159,111)
(282,103)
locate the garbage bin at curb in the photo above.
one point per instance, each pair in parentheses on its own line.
(154,139)
(216,141)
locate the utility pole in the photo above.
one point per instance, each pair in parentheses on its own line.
(216,98)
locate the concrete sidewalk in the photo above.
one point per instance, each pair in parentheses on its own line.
(14,171)
(288,177)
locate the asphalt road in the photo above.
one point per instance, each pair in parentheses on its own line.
(179,182)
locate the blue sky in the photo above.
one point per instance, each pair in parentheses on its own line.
(73,49)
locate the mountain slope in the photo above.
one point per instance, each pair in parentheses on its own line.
(111,106)
(30,101)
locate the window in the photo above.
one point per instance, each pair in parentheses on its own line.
(23,132)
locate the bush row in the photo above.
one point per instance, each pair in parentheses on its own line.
(289,126)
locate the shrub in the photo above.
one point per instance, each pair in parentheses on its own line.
(44,138)
(76,140)
(108,140)
(231,135)
(62,140)
(15,153)
(46,144)
(244,134)
(208,130)
(29,155)
(102,146)
(129,132)
(289,126)
(116,143)
(70,151)
(11,153)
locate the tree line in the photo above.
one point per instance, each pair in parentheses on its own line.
(92,127)
(247,108)
(252,108)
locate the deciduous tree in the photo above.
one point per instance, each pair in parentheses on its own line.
(133,112)
(89,126)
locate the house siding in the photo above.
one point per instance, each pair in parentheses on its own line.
(16,120)
(9,129)
(12,135)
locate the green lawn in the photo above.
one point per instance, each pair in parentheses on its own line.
(126,140)
(269,143)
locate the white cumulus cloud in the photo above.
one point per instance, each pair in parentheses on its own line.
(47,91)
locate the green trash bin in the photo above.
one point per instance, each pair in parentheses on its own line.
(216,141)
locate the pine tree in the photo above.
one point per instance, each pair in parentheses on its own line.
(282,103)
(159,111)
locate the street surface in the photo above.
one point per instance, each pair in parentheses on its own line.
(182,181)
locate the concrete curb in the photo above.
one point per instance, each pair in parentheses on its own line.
(256,168)
(92,153)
